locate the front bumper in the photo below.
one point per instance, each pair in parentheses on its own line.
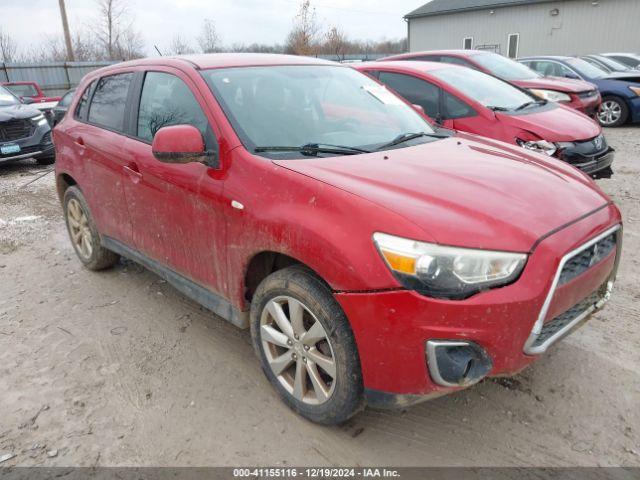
(37,145)
(392,328)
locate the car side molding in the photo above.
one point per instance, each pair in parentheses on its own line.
(205,297)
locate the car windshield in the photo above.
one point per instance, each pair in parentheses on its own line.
(504,67)
(487,90)
(614,65)
(23,90)
(586,69)
(6,98)
(326,105)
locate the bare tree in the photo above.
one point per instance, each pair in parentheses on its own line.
(208,38)
(115,32)
(131,44)
(8,47)
(303,38)
(179,46)
(336,43)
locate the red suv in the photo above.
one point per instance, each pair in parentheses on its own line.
(578,94)
(375,260)
(475,102)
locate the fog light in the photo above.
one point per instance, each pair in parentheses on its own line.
(454,363)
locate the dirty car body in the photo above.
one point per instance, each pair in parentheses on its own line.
(303,187)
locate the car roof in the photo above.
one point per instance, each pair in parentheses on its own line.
(222,60)
(547,57)
(409,65)
(457,53)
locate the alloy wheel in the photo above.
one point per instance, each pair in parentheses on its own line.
(79,229)
(609,113)
(298,350)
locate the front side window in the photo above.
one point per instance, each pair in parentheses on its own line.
(166,100)
(7,98)
(455,61)
(484,89)
(23,90)
(504,67)
(415,91)
(109,101)
(299,105)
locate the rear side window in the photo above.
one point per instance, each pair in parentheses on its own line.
(109,101)
(415,91)
(83,105)
(167,100)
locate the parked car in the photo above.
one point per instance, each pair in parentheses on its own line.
(620,91)
(24,131)
(582,96)
(375,260)
(61,107)
(630,59)
(29,90)
(474,102)
(607,64)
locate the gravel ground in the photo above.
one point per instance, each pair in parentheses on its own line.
(117,368)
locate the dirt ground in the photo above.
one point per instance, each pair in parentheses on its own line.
(118,368)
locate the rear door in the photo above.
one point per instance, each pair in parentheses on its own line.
(175,208)
(97,137)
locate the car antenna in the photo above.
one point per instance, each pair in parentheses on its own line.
(158,50)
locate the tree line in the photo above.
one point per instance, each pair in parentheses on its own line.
(112,35)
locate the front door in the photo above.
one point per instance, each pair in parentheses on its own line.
(175,209)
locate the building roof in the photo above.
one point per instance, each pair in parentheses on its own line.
(443,7)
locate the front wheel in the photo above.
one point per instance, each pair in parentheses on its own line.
(306,346)
(613,112)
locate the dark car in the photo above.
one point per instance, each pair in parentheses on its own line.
(24,131)
(608,64)
(620,91)
(60,109)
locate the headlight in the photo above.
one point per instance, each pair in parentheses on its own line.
(551,95)
(541,146)
(39,120)
(635,90)
(447,272)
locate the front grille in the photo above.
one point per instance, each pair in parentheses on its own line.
(588,94)
(15,129)
(551,328)
(578,152)
(587,258)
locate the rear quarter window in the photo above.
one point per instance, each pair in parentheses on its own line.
(83,104)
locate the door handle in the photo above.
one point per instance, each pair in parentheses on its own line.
(133,172)
(80,141)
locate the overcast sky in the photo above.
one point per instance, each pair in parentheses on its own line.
(237,21)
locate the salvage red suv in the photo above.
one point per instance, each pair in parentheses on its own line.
(375,260)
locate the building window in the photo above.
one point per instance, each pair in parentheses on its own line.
(467,43)
(514,40)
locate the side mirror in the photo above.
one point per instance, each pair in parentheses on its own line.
(181,144)
(420,110)
(572,76)
(27,100)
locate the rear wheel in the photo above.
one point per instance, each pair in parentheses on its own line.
(306,346)
(83,233)
(613,112)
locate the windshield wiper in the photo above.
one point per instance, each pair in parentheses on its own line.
(497,109)
(314,149)
(405,137)
(532,102)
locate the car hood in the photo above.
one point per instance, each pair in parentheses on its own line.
(556,83)
(626,76)
(554,123)
(464,191)
(17,111)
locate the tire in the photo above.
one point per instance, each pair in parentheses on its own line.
(320,398)
(613,112)
(83,233)
(46,160)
